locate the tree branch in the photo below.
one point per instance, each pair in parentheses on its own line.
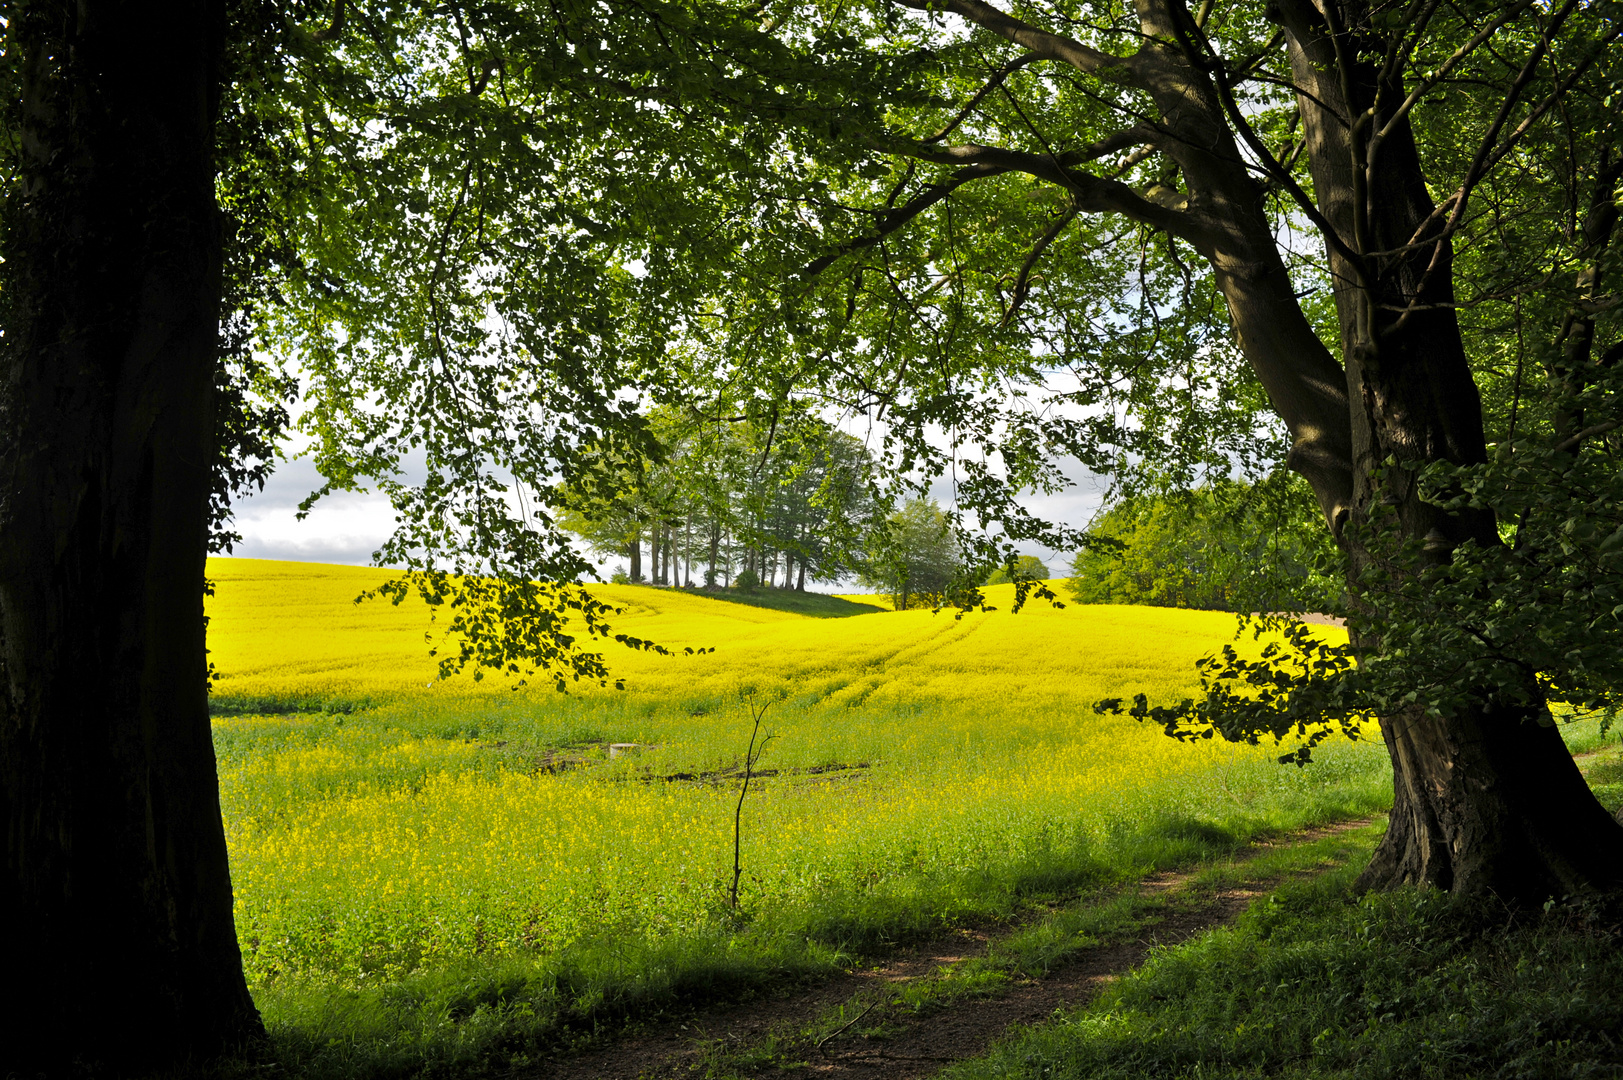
(991,84)
(1442,72)
(1487,158)
(895,219)
(1045,44)
(334,28)
(1217,72)
(1571,443)
(1092,193)
(1022,282)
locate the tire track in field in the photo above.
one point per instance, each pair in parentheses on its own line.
(788,1036)
(874,673)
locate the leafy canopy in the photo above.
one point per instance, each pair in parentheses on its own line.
(489,237)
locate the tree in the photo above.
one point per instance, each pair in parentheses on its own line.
(1222,547)
(809,502)
(122,952)
(1026,568)
(612,514)
(915,557)
(165,175)
(1193,143)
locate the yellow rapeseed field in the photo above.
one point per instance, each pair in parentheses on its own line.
(916,758)
(294,629)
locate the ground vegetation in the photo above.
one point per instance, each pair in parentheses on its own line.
(428,875)
(1317,982)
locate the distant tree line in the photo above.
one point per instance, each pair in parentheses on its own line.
(737,502)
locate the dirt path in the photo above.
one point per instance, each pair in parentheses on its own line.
(853,1025)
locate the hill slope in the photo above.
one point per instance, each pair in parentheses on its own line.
(293,630)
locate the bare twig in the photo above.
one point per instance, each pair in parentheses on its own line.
(846,1026)
(751,756)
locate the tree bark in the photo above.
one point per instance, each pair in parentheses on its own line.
(1491,802)
(120,951)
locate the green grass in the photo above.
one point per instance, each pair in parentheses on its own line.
(1033,949)
(433,879)
(466,1015)
(462,1014)
(1315,982)
(502,1012)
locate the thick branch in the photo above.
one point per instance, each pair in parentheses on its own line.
(1208,59)
(1092,193)
(331,31)
(1043,43)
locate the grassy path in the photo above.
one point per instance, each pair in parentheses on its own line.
(951,1000)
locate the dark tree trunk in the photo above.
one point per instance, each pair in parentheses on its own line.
(635,551)
(120,952)
(1491,802)
(1488,800)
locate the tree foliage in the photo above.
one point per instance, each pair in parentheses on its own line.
(1226,546)
(915,558)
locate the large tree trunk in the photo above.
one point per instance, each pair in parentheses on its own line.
(1487,800)
(1491,802)
(120,952)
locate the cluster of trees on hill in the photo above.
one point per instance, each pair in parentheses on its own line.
(735,502)
(731,499)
